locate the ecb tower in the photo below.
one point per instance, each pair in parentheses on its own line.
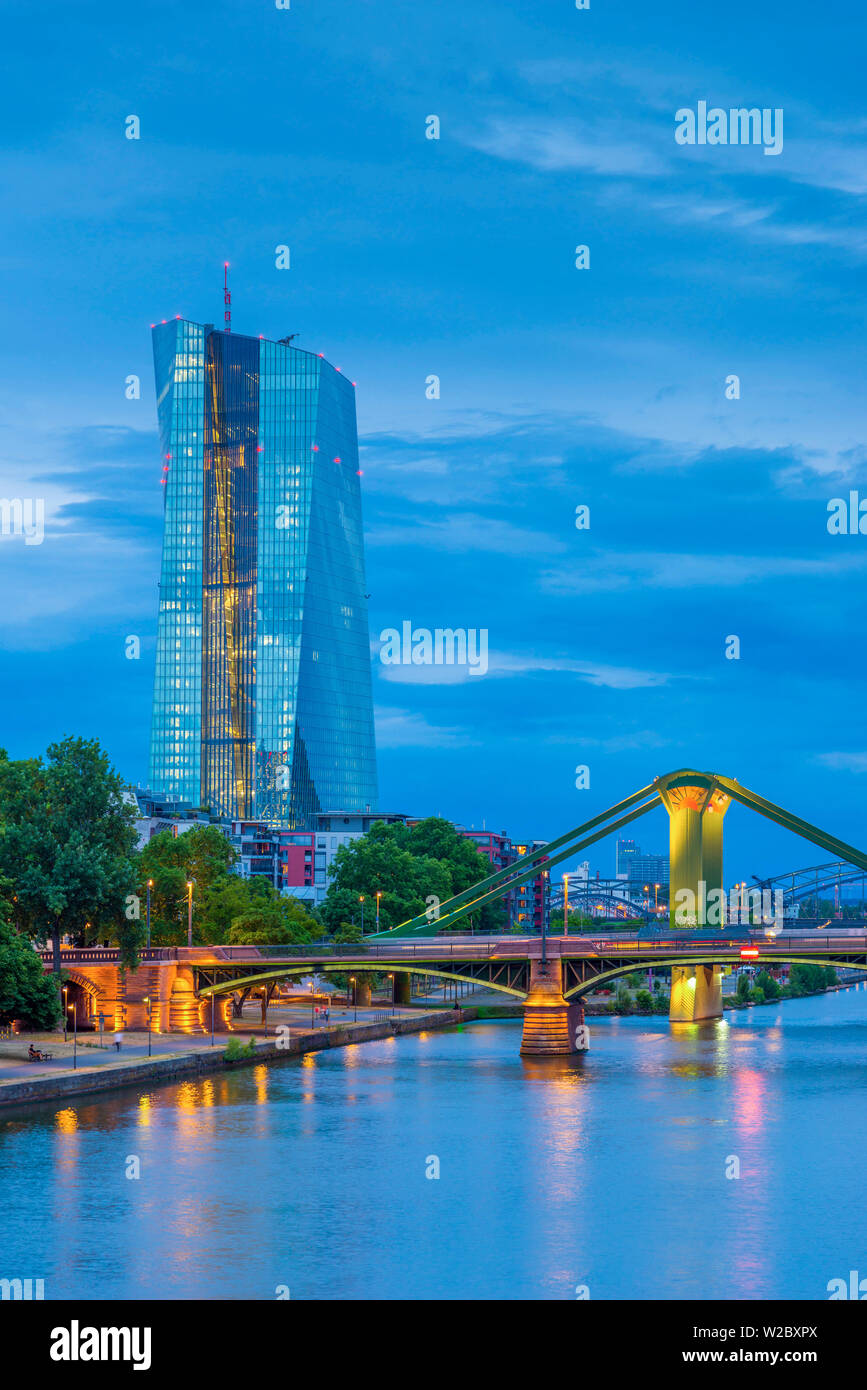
(262,702)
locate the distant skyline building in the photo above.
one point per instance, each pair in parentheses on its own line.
(648,869)
(626,850)
(262,707)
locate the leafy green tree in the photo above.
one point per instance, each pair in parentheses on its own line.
(380,861)
(204,856)
(413,870)
(67,844)
(274,921)
(768,985)
(644,1000)
(26,992)
(743,989)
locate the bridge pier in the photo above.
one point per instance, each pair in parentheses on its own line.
(696,993)
(362,991)
(550,1022)
(402,987)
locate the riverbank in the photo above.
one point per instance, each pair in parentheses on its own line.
(164,1068)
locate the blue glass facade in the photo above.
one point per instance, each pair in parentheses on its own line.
(262,697)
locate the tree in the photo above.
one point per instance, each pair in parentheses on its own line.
(274,921)
(204,856)
(743,989)
(26,992)
(768,985)
(380,861)
(67,843)
(413,870)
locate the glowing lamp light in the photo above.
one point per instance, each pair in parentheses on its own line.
(320,354)
(260,448)
(316,448)
(337,460)
(153,325)
(359,473)
(749,952)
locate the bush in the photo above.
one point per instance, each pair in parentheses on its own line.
(623,1001)
(757,995)
(660,1004)
(236,1051)
(644,1001)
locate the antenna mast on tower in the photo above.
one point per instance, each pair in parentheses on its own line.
(227,297)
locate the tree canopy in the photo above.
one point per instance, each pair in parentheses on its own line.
(414,870)
(67,840)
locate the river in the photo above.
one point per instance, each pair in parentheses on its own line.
(603,1174)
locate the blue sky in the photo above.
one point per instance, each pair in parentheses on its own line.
(455,257)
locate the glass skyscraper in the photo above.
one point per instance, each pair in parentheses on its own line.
(262,692)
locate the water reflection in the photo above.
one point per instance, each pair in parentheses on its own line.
(608,1168)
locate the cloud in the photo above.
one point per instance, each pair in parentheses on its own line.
(844,762)
(403,728)
(510,665)
(465,531)
(612,572)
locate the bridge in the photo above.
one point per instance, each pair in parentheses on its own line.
(186,988)
(189,988)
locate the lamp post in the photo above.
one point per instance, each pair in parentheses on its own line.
(391,977)
(656,897)
(312,998)
(147,1001)
(189,912)
(74,1036)
(565,904)
(150,886)
(354,999)
(361,900)
(65,1012)
(378,896)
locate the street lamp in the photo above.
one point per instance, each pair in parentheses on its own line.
(565,904)
(65,1011)
(378,896)
(361,900)
(189,912)
(312,998)
(391,977)
(656,888)
(147,1000)
(150,886)
(354,999)
(74,1036)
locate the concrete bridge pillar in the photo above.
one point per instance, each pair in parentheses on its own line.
(402,987)
(696,993)
(362,991)
(550,1023)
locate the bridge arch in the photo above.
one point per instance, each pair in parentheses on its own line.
(466,975)
(597,981)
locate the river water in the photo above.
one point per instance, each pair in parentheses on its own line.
(605,1172)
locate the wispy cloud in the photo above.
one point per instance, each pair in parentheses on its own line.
(403,728)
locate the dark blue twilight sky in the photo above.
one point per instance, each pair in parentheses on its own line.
(412,257)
